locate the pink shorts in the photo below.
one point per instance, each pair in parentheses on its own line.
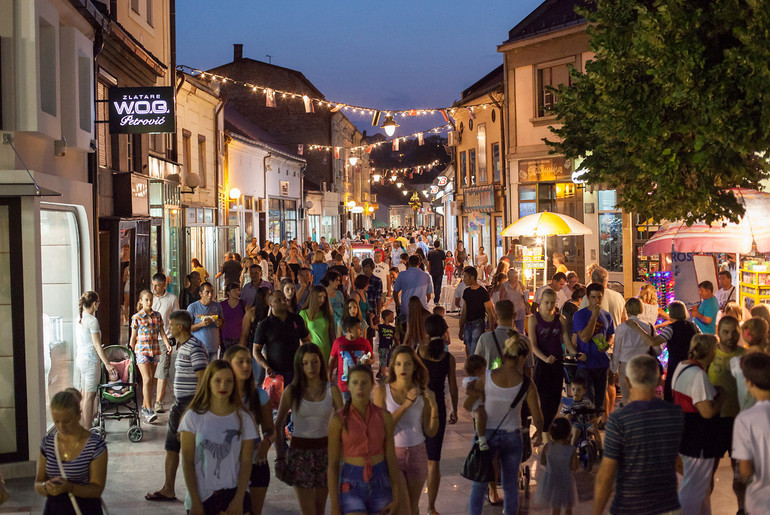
(413,462)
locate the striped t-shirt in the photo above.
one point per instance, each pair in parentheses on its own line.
(191,357)
(77,470)
(644,439)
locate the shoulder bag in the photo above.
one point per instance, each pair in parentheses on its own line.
(478,464)
(73,500)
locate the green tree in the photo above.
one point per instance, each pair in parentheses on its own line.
(675,108)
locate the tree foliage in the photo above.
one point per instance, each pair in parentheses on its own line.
(675,108)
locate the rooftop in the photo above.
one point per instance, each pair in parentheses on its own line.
(549,16)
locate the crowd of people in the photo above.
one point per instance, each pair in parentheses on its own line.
(287,360)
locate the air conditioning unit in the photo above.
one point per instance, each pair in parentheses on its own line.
(261,205)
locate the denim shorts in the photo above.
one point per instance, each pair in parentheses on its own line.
(143,358)
(357,496)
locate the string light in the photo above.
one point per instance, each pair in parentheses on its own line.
(333,105)
(371,146)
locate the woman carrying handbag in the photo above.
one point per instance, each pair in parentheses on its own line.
(72,468)
(501,390)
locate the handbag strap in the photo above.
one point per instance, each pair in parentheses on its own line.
(494,336)
(519,396)
(64,474)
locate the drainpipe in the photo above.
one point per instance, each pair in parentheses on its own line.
(264,188)
(503,146)
(93,169)
(218,151)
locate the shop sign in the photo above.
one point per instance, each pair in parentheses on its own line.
(480,198)
(551,169)
(142,110)
(433,189)
(284,188)
(442,180)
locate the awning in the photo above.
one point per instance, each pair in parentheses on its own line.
(26,190)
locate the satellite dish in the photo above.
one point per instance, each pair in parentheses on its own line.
(193,180)
(309,204)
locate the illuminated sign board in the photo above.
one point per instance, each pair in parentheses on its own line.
(142,110)
(433,189)
(442,181)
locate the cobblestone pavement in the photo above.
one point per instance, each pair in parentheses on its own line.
(137,468)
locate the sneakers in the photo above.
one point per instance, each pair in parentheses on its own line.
(149,415)
(158,407)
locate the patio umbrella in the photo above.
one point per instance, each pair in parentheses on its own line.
(546,224)
(722,236)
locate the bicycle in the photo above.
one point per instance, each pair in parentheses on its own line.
(588,449)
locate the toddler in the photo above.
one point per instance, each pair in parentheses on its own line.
(475,367)
(440,311)
(557,489)
(387,340)
(582,421)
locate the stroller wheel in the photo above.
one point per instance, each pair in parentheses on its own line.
(135,434)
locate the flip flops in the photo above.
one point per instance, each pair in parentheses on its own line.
(159,497)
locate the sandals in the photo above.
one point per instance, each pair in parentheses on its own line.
(159,497)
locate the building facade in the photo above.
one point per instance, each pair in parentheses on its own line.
(478,141)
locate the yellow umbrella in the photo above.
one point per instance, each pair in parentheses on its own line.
(545,224)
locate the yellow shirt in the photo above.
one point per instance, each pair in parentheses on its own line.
(720,375)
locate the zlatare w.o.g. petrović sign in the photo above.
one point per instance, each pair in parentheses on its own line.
(142,110)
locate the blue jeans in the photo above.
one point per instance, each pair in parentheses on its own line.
(472,333)
(508,446)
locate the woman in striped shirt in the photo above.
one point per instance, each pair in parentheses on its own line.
(80,478)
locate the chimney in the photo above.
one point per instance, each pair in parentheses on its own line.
(237,51)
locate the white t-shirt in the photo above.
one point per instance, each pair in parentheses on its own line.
(751,441)
(725,296)
(561,297)
(85,350)
(381,271)
(165,305)
(693,382)
(745,399)
(459,292)
(217,449)
(628,342)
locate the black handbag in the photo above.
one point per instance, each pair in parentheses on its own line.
(478,464)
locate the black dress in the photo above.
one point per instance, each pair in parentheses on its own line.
(438,371)
(678,346)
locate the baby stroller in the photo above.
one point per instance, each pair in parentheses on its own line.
(118,399)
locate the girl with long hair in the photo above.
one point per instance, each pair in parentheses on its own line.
(257,402)
(352,309)
(651,311)
(415,327)
(361,283)
(319,319)
(496,285)
(363,471)
(319,266)
(336,298)
(500,387)
(146,330)
(217,436)
(254,314)
(415,413)
(441,368)
(289,290)
(295,260)
(90,353)
(198,267)
(312,400)
(284,271)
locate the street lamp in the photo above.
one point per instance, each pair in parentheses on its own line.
(376,177)
(405,192)
(353,159)
(399,184)
(389,125)
(235,194)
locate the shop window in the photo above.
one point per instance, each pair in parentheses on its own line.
(527,200)
(61,288)
(496,164)
(103,129)
(464,168)
(643,230)
(47,62)
(187,151)
(472,166)
(202,159)
(548,76)
(610,232)
(481,139)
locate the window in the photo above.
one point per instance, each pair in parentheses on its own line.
(202,159)
(155,142)
(550,76)
(103,129)
(149,13)
(84,93)
(464,168)
(481,139)
(135,6)
(472,166)
(610,232)
(527,200)
(47,62)
(496,164)
(187,151)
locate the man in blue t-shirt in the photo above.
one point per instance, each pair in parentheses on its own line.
(640,448)
(705,314)
(595,331)
(207,319)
